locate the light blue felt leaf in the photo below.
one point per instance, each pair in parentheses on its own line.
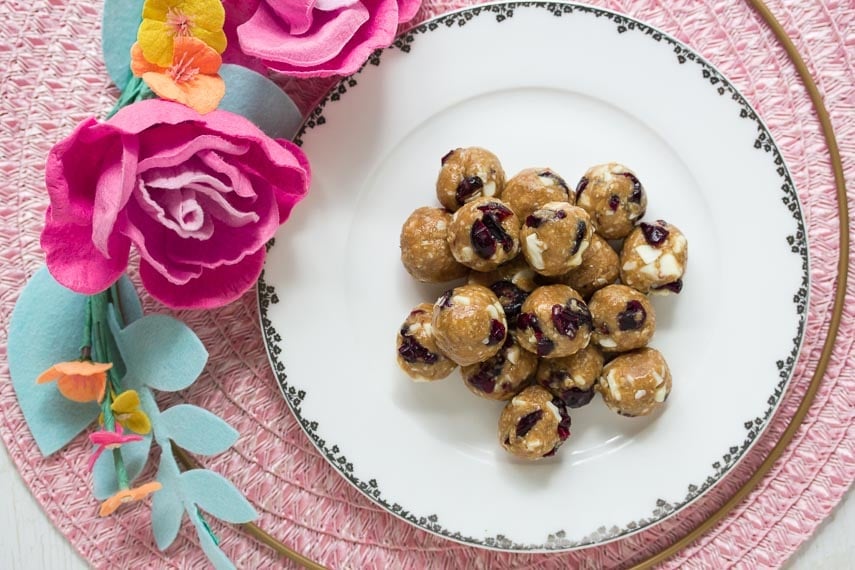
(160,352)
(217,495)
(46,328)
(197,430)
(167,508)
(210,548)
(119,27)
(135,456)
(255,97)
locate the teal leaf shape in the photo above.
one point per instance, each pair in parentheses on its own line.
(119,25)
(257,98)
(167,508)
(160,352)
(217,495)
(197,430)
(135,456)
(46,327)
(210,548)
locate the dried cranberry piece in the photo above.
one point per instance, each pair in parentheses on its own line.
(633,317)
(412,351)
(484,379)
(529,321)
(527,422)
(637,188)
(496,230)
(614,202)
(560,215)
(581,230)
(576,397)
(497,332)
(467,188)
(482,240)
(511,297)
(655,235)
(564,424)
(447,156)
(445,300)
(568,319)
(498,211)
(583,183)
(674,286)
(533,221)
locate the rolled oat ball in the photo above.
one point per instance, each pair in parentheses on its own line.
(424,247)
(502,376)
(554,322)
(532,188)
(600,267)
(635,383)
(614,198)
(624,319)
(653,258)
(534,424)
(572,378)
(511,282)
(468,174)
(555,237)
(469,324)
(418,355)
(484,234)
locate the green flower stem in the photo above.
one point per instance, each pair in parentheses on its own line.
(99,304)
(86,344)
(135,90)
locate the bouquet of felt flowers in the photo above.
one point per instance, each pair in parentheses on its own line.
(191,172)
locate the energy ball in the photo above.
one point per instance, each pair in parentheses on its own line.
(534,424)
(532,188)
(467,174)
(572,378)
(613,196)
(424,247)
(600,267)
(554,322)
(555,237)
(502,376)
(624,319)
(469,324)
(635,383)
(516,271)
(418,355)
(653,258)
(484,234)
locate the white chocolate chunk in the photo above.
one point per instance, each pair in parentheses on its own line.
(461,300)
(613,387)
(441,225)
(669,266)
(630,266)
(494,314)
(576,260)
(607,342)
(584,200)
(552,408)
(650,271)
(417,378)
(414,328)
(679,244)
(579,381)
(658,377)
(513,355)
(647,253)
(532,444)
(639,394)
(489,189)
(467,253)
(428,329)
(546,180)
(520,277)
(660,394)
(535,248)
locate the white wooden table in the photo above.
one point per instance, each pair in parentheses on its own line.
(28,540)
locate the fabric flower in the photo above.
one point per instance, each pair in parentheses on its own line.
(109,506)
(80,381)
(126,408)
(319,38)
(166,20)
(198,195)
(191,77)
(105,440)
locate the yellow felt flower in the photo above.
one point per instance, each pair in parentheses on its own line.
(124,496)
(165,20)
(126,410)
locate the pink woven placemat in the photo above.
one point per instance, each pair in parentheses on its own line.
(54,77)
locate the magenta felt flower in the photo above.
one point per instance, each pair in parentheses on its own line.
(198,195)
(105,440)
(318,38)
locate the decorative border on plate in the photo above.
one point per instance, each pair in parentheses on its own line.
(797,241)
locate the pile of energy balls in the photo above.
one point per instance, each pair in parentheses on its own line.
(541,321)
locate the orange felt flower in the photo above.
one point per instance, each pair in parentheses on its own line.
(80,380)
(109,506)
(192,79)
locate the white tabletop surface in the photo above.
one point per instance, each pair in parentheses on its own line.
(28,540)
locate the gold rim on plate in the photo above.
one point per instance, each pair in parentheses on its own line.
(837,310)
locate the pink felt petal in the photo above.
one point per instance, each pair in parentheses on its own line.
(264,36)
(213,288)
(296,15)
(407,10)
(378,32)
(113,189)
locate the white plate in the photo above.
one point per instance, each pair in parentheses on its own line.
(540,84)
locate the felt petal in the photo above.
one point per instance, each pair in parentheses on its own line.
(213,288)
(126,402)
(296,15)
(138,422)
(82,367)
(140,65)
(216,495)
(155,39)
(161,352)
(216,39)
(197,430)
(135,455)
(197,54)
(204,92)
(208,14)
(114,186)
(83,389)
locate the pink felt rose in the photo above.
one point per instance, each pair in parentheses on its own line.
(317,38)
(198,195)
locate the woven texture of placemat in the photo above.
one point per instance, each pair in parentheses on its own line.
(53,76)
